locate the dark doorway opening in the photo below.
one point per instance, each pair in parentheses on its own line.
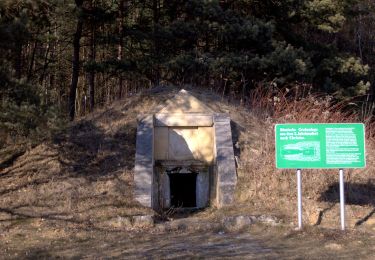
(183,189)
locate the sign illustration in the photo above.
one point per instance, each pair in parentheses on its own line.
(301,146)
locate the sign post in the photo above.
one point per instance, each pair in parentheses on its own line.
(320,146)
(299,192)
(342,199)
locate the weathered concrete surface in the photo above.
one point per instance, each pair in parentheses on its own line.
(185,130)
(192,119)
(203,188)
(191,143)
(161,149)
(225,164)
(144,162)
(166,191)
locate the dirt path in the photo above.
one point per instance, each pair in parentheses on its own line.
(175,246)
(31,240)
(124,245)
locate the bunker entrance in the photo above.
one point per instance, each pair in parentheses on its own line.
(184,137)
(183,189)
(182,184)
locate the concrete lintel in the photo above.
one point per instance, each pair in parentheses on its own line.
(191,119)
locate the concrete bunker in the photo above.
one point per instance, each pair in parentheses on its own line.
(184,156)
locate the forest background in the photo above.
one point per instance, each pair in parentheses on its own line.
(60,59)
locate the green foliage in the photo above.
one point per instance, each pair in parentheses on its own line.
(23,113)
(345,76)
(229,45)
(288,63)
(25,120)
(325,15)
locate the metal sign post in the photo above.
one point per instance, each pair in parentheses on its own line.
(320,146)
(299,191)
(342,199)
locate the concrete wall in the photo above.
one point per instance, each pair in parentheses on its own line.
(144,161)
(203,188)
(184,143)
(225,166)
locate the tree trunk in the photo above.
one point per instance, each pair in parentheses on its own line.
(45,65)
(156,77)
(18,60)
(30,70)
(119,49)
(75,62)
(91,76)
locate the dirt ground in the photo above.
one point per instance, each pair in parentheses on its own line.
(38,239)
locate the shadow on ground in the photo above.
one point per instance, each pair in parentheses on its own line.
(355,194)
(84,175)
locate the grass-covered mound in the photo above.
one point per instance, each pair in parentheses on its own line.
(84,175)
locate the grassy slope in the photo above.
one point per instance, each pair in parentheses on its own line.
(85,175)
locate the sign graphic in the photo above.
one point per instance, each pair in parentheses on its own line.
(301,146)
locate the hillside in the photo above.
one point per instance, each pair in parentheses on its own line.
(84,175)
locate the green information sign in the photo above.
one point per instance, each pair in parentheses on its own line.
(302,146)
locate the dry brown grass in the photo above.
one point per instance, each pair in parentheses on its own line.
(85,174)
(270,190)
